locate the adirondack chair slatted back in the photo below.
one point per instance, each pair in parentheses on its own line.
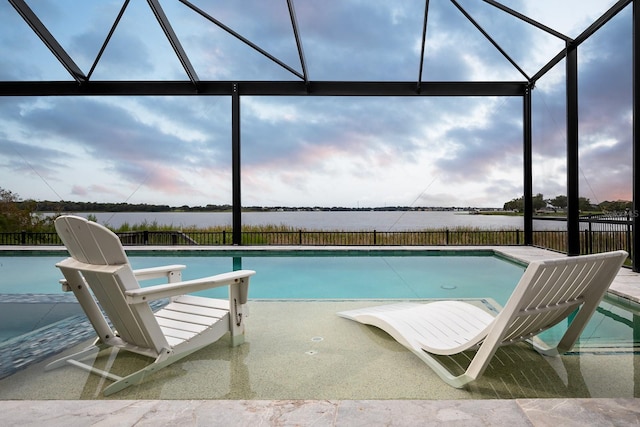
(94,246)
(551,291)
(90,242)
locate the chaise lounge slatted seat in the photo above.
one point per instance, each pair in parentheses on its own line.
(99,274)
(548,292)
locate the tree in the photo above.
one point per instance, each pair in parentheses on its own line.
(514,205)
(539,202)
(584,204)
(559,202)
(518,204)
(12,218)
(618,206)
(17,215)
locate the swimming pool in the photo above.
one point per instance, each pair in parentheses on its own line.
(319,275)
(307,274)
(294,284)
(283,275)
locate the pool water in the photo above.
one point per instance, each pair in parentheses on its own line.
(360,277)
(344,275)
(300,350)
(316,275)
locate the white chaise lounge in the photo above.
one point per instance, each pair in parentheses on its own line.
(99,274)
(548,292)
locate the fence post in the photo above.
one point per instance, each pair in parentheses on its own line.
(629,234)
(446,240)
(224,237)
(375,237)
(590,237)
(145,237)
(518,237)
(23,237)
(300,237)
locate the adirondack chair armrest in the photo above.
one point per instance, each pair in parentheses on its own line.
(151,293)
(158,272)
(171,272)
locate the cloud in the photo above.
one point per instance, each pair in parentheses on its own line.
(605,112)
(313,150)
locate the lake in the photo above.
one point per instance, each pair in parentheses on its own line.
(324,220)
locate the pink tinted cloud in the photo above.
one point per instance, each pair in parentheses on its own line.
(78,190)
(292,171)
(166,180)
(92,190)
(184,184)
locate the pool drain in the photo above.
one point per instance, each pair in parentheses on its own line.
(448,287)
(311,352)
(317,339)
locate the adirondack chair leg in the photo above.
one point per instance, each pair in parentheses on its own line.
(137,377)
(129,380)
(87,352)
(76,360)
(100,372)
(237,310)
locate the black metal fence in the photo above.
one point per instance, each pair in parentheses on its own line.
(29,239)
(290,238)
(384,238)
(598,234)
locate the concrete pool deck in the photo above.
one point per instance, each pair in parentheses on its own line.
(448,407)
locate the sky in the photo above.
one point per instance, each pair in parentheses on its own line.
(315,151)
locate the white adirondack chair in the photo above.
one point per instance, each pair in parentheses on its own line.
(548,292)
(99,274)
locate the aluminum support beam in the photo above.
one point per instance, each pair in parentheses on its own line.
(527,158)
(236,182)
(47,38)
(173,39)
(108,39)
(261,88)
(424,40)
(296,34)
(241,38)
(491,40)
(528,20)
(573,194)
(613,11)
(635,245)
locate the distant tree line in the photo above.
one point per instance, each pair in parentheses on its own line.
(559,203)
(67,206)
(26,215)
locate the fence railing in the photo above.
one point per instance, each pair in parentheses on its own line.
(384,238)
(597,234)
(30,239)
(300,237)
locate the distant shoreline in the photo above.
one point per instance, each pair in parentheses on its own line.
(317,220)
(53,207)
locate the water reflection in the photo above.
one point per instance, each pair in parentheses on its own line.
(283,359)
